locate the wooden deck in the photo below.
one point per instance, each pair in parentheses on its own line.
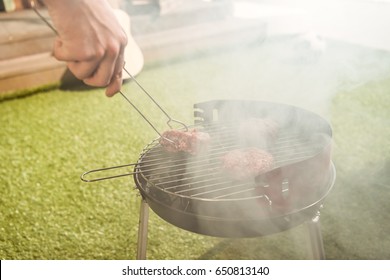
(26,43)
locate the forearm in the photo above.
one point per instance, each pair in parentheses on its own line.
(65,12)
(58,6)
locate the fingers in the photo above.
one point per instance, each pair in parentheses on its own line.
(104,72)
(84,49)
(81,61)
(115,85)
(91,40)
(83,70)
(103,68)
(116,80)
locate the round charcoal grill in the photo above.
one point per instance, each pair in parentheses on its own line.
(193,192)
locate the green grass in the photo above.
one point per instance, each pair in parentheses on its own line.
(357,211)
(48,139)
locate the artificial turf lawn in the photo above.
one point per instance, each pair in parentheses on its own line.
(48,139)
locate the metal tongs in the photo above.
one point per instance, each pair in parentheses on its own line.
(170,120)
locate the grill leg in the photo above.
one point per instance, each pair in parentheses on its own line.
(143,230)
(316,243)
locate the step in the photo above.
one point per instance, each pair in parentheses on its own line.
(23,33)
(187,40)
(30,71)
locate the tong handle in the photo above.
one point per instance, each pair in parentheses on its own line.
(139,112)
(84,176)
(32,4)
(170,119)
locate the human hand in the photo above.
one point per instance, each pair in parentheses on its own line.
(91,41)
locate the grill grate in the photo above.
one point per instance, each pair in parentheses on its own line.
(201,177)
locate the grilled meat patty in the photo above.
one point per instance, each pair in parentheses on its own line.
(247,163)
(192,141)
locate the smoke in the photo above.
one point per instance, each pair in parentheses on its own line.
(306,68)
(297,59)
(315,49)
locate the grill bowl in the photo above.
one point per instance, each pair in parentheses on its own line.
(192,193)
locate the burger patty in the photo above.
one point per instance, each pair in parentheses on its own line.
(191,141)
(247,163)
